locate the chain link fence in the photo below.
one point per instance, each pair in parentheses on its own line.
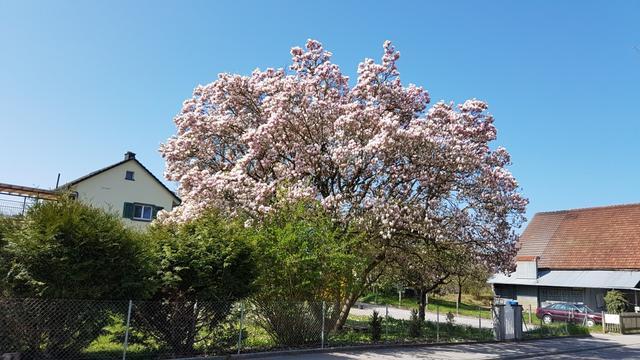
(14,207)
(81,329)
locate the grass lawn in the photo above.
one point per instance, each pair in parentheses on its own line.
(468,307)
(559,329)
(357,331)
(397,331)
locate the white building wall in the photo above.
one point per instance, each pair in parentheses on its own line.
(109,191)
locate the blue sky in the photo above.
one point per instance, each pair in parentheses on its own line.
(83,82)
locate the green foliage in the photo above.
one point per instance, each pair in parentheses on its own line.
(451,318)
(396,331)
(375,326)
(443,305)
(202,268)
(558,329)
(66,250)
(115,331)
(304,255)
(7,226)
(615,301)
(415,325)
(61,249)
(210,258)
(291,323)
(304,258)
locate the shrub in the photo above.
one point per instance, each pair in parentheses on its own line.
(303,259)
(202,268)
(67,250)
(415,325)
(7,226)
(375,326)
(615,301)
(451,318)
(291,323)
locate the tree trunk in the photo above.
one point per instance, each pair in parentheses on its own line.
(344,311)
(355,294)
(422,303)
(459,295)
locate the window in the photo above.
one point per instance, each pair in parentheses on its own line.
(584,308)
(142,212)
(128,175)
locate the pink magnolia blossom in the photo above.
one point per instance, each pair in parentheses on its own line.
(372,153)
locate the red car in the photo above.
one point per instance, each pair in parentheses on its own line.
(577,313)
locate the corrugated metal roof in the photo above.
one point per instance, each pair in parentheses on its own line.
(575,278)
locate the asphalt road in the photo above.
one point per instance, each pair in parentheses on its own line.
(596,347)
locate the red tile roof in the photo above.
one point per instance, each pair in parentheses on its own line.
(526,258)
(592,238)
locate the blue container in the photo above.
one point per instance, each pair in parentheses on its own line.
(512,302)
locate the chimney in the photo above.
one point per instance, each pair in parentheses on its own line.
(129,155)
(526,267)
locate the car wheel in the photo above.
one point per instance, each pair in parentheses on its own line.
(590,322)
(547,319)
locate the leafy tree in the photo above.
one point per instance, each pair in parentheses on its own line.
(470,277)
(615,301)
(62,251)
(428,266)
(303,259)
(302,255)
(374,154)
(202,268)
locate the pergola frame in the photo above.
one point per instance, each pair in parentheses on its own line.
(28,192)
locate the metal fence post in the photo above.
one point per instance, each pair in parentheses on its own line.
(126,332)
(479,318)
(241,323)
(386,321)
(604,324)
(541,328)
(530,313)
(322,334)
(437,322)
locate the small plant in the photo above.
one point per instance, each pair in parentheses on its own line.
(415,325)
(451,318)
(615,301)
(375,326)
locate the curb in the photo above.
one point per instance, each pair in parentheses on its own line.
(293,352)
(560,352)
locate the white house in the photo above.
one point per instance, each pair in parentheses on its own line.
(126,188)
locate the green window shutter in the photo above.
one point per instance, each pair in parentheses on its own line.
(155,211)
(127,211)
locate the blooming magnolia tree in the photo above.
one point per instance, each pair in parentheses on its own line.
(374,154)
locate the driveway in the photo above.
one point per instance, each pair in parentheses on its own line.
(403,314)
(597,347)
